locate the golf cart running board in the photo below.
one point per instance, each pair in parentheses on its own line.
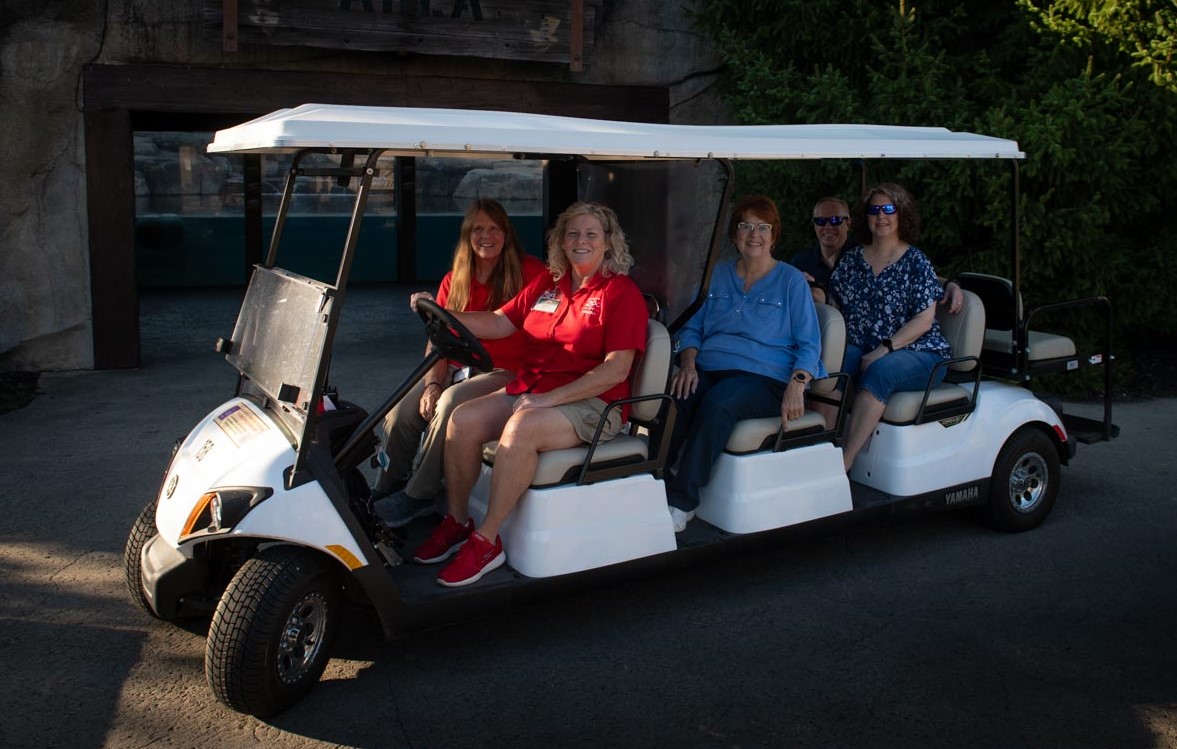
(1089,431)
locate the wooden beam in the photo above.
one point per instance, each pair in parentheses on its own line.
(576,51)
(533,30)
(110,204)
(229,25)
(225,91)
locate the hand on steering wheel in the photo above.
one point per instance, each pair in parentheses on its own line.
(452,339)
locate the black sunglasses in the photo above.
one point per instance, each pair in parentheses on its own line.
(875,210)
(832,220)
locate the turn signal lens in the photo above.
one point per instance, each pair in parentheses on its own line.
(198,511)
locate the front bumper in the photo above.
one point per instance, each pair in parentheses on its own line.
(173,583)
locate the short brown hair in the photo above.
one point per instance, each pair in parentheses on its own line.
(760,205)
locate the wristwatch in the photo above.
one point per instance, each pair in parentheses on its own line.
(890,346)
(800,377)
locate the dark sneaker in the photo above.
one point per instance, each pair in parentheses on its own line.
(446,539)
(477,557)
(392,487)
(400,509)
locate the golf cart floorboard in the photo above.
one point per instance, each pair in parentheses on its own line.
(700,541)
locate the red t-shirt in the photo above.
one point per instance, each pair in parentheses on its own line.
(571,334)
(505,353)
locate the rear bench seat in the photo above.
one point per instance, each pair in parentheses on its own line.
(1003,313)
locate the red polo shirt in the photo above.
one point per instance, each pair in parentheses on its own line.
(571,333)
(505,353)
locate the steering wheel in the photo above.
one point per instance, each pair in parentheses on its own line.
(451,338)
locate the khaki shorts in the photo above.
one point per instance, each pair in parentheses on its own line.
(584,415)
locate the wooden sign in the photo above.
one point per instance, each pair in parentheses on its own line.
(557,31)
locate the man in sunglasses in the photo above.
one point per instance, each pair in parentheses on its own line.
(831,224)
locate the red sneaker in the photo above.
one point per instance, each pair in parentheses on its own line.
(446,539)
(478,557)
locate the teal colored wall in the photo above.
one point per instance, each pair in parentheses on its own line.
(196,251)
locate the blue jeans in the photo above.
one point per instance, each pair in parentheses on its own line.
(901,370)
(706,419)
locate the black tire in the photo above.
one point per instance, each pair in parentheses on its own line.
(271,635)
(142,531)
(1024,483)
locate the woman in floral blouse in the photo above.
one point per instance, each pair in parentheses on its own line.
(887,290)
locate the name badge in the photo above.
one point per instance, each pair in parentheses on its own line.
(549,302)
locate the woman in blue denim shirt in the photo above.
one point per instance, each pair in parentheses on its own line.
(747,353)
(887,290)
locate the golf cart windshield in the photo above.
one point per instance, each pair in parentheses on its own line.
(280,335)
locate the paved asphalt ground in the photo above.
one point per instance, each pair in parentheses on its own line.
(913,632)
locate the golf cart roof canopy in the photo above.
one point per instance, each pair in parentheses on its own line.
(467,132)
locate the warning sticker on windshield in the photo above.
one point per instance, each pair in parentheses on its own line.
(240,424)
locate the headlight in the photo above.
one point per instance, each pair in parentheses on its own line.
(222,509)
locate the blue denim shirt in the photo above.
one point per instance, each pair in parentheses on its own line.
(771,330)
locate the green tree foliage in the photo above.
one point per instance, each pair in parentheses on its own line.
(1146,30)
(1097,134)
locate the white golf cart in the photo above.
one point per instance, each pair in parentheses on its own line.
(264,518)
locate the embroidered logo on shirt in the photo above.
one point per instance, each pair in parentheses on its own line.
(592,307)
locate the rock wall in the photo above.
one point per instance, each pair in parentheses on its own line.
(44,244)
(44,263)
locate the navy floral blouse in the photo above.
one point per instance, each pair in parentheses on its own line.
(877,307)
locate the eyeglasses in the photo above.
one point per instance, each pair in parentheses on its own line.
(875,210)
(832,220)
(760,228)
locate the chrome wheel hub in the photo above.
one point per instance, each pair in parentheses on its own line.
(1027,482)
(302,637)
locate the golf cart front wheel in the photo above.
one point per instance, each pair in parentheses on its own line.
(1024,483)
(142,531)
(271,635)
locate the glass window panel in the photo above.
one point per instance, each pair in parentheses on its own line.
(445,189)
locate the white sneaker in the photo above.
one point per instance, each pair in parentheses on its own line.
(681,518)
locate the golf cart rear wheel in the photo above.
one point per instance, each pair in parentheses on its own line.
(142,531)
(271,635)
(1025,482)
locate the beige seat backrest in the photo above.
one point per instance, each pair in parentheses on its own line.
(651,374)
(964,330)
(833,344)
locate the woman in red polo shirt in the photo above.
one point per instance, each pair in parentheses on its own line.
(584,324)
(489,267)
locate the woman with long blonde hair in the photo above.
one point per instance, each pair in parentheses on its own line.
(489,268)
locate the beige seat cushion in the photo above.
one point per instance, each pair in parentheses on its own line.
(554,465)
(750,434)
(902,406)
(1042,345)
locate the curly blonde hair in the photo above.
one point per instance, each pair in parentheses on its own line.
(618,259)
